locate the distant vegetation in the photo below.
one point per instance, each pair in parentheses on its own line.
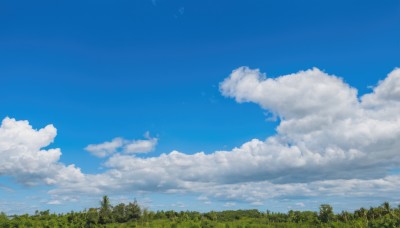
(132,215)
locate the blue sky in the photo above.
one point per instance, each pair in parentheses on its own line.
(100,70)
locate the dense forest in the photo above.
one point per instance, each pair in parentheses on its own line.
(132,215)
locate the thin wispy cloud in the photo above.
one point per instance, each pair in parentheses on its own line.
(124,146)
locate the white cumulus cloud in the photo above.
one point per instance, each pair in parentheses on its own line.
(329,142)
(22,156)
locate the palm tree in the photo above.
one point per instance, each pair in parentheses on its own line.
(105,203)
(326,213)
(105,210)
(386,207)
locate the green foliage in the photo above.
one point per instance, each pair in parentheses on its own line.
(105,215)
(119,213)
(133,211)
(132,215)
(92,217)
(326,213)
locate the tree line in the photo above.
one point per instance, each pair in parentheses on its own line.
(133,215)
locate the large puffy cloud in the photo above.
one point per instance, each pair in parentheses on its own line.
(21,155)
(387,92)
(323,117)
(329,142)
(305,93)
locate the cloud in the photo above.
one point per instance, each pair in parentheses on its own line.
(322,117)
(140,146)
(229,204)
(54,202)
(254,192)
(386,93)
(178,204)
(181,10)
(329,142)
(22,156)
(6,189)
(300,204)
(106,148)
(126,146)
(302,94)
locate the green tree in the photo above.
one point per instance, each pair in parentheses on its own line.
(3,220)
(326,213)
(345,216)
(133,211)
(105,211)
(119,213)
(386,208)
(92,217)
(361,213)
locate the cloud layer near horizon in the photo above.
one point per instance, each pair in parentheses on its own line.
(329,142)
